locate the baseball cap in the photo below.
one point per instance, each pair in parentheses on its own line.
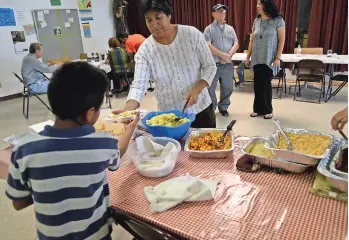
(219,6)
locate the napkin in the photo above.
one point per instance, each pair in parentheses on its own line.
(150,149)
(323,189)
(172,192)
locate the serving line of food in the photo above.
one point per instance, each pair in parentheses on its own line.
(209,184)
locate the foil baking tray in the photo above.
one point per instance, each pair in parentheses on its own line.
(272,162)
(14,139)
(341,183)
(293,156)
(209,154)
(333,168)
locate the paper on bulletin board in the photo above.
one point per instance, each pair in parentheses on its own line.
(41,17)
(57,31)
(7,17)
(29,29)
(67,24)
(43,24)
(71,20)
(46,11)
(67,11)
(87,30)
(19,43)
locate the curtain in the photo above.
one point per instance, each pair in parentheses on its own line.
(240,15)
(328,27)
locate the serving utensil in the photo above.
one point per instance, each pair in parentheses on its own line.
(229,128)
(277,123)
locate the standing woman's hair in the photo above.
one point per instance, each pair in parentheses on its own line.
(164,6)
(269,7)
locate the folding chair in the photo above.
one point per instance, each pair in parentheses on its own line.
(310,71)
(26,94)
(140,230)
(340,78)
(281,76)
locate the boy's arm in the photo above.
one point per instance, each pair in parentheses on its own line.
(19,205)
(17,189)
(126,136)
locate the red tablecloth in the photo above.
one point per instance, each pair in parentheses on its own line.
(261,205)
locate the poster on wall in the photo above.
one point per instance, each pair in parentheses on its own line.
(55,2)
(7,17)
(18,39)
(85,10)
(86,15)
(87,29)
(29,29)
(84,4)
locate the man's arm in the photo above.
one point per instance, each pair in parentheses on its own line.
(42,67)
(235,46)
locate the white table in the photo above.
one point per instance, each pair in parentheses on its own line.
(100,64)
(292,58)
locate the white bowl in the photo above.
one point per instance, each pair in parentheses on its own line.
(155,172)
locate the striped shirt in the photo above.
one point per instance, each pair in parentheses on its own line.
(118,60)
(175,68)
(64,172)
(222,37)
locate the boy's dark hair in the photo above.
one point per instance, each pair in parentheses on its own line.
(122,36)
(270,8)
(164,6)
(75,88)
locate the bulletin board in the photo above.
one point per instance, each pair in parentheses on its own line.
(58,30)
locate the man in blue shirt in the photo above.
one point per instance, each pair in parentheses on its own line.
(223,43)
(33,69)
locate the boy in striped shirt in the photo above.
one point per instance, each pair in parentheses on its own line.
(62,170)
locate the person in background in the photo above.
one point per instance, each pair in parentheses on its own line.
(119,61)
(131,43)
(33,69)
(120,10)
(265,50)
(240,69)
(339,120)
(223,43)
(62,170)
(178,60)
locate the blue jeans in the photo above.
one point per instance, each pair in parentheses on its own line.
(240,72)
(39,86)
(224,75)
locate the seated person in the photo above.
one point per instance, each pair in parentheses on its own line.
(62,170)
(131,43)
(119,61)
(33,69)
(242,65)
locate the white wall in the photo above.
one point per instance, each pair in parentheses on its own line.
(102,28)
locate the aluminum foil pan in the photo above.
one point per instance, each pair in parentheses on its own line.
(274,163)
(324,167)
(209,154)
(333,168)
(14,139)
(292,156)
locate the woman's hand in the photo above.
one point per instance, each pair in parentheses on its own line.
(248,62)
(340,119)
(276,63)
(193,97)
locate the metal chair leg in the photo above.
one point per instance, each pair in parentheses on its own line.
(27,115)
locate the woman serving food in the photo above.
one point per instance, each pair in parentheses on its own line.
(178,60)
